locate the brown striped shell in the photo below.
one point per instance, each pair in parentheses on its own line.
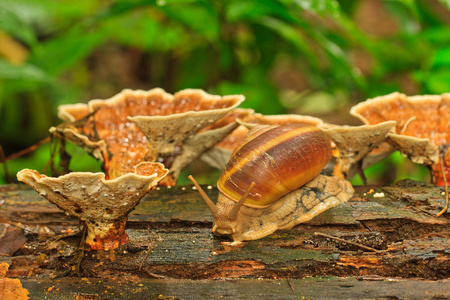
(278,159)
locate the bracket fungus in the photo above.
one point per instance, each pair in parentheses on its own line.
(354,143)
(101,205)
(182,132)
(422,131)
(110,130)
(219,155)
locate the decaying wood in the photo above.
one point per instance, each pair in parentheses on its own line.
(345,241)
(170,238)
(311,288)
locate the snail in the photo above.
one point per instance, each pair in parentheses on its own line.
(272,181)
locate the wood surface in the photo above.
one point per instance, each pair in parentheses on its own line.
(172,253)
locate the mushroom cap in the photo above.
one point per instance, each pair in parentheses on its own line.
(97,149)
(99,203)
(73,112)
(431,115)
(354,143)
(193,111)
(418,150)
(126,145)
(184,136)
(422,128)
(259,119)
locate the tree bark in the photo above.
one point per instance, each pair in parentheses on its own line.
(171,250)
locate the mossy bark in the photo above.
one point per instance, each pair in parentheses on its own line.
(170,239)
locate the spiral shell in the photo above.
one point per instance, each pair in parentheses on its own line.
(279,159)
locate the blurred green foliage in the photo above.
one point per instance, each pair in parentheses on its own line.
(291,56)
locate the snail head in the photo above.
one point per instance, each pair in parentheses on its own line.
(226,216)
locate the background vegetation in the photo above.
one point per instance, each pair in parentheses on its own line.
(316,57)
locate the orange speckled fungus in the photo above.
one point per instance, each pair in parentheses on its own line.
(422,131)
(420,117)
(110,130)
(102,205)
(11,288)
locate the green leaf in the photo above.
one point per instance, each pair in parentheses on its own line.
(36,160)
(81,161)
(13,24)
(249,10)
(196,70)
(25,71)
(245,10)
(260,94)
(190,14)
(140,30)
(124,6)
(442,57)
(438,35)
(61,53)
(164,2)
(412,8)
(320,7)
(439,81)
(293,35)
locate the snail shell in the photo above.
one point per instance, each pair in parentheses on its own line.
(279,159)
(261,186)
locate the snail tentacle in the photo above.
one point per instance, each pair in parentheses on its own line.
(234,212)
(212,207)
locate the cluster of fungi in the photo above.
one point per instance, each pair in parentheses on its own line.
(146,138)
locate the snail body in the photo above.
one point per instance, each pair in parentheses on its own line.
(272,182)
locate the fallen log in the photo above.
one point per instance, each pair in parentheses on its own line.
(171,244)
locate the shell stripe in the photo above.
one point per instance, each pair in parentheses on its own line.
(279,161)
(269,144)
